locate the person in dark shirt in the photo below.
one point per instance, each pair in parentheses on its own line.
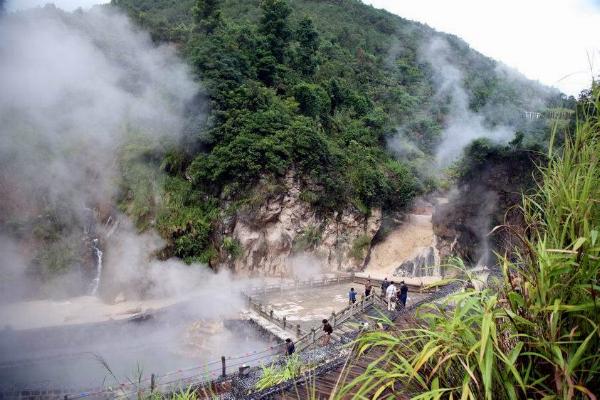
(368,287)
(352,296)
(384,286)
(403,293)
(328,329)
(290,348)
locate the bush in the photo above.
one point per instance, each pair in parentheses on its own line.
(312,99)
(233,247)
(274,375)
(307,239)
(359,247)
(538,335)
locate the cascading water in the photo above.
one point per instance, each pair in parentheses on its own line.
(98,253)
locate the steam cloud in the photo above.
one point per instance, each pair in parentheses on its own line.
(462,125)
(72,86)
(74,89)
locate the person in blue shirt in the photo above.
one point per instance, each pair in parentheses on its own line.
(352,296)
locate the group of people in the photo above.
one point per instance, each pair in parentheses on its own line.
(352,293)
(388,290)
(392,294)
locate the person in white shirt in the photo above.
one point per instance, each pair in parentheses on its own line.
(390,294)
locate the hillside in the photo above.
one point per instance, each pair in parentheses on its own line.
(316,121)
(350,103)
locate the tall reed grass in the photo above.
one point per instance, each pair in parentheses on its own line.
(536,335)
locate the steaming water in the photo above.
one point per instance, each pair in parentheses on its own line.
(70,356)
(96,281)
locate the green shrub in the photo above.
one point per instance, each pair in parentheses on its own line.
(537,335)
(312,99)
(309,238)
(233,247)
(359,247)
(274,375)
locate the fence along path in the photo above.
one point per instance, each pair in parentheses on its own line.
(341,372)
(216,376)
(267,312)
(218,371)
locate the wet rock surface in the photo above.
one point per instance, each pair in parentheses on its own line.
(425,263)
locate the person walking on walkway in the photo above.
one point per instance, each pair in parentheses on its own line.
(290,348)
(384,285)
(403,293)
(368,287)
(328,329)
(390,294)
(352,296)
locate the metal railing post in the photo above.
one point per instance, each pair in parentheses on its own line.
(223,374)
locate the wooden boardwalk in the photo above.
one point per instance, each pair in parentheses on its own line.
(322,386)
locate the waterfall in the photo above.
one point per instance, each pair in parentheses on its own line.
(98,253)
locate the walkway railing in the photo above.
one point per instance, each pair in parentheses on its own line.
(268,312)
(298,284)
(264,310)
(336,319)
(223,369)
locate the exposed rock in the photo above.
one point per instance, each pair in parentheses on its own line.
(269,235)
(425,263)
(485,198)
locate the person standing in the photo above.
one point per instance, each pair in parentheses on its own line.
(352,296)
(390,294)
(384,285)
(328,329)
(368,287)
(290,348)
(403,293)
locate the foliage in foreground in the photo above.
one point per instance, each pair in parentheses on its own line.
(537,336)
(274,375)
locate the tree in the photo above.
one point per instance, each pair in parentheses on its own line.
(306,55)
(275,27)
(207,15)
(312,99)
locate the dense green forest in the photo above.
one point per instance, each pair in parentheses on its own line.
(314,89)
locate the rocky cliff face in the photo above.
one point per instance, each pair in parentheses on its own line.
(273,236)
(485,198)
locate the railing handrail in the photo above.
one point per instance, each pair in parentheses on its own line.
(342,316)
(268,288)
